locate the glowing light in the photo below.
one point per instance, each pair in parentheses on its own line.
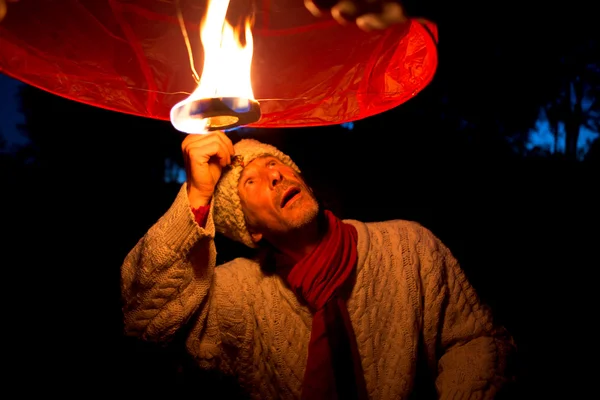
(226,72)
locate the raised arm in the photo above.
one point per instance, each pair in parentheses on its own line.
(471,356)
(166,277)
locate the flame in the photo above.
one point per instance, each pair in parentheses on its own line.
(226,70)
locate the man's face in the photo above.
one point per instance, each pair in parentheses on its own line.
(275,200)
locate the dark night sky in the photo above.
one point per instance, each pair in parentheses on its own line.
(10,115)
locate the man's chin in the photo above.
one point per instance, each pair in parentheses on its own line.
(299,215)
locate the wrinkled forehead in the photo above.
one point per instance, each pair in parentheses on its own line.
(256,163)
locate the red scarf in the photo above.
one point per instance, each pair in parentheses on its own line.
(333,369)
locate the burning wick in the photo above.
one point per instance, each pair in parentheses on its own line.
(215,113)
(224,99)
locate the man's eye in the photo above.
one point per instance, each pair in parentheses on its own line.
(272,163)
(249,182)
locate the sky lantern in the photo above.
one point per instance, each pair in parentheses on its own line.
(267,63)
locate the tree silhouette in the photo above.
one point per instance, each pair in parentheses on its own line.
(575,98)
(593,154)
(3,143)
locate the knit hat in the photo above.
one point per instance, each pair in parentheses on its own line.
(227,214)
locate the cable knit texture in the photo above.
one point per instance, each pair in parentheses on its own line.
(409,288)
(228,215)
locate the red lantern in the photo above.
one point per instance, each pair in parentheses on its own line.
(131,57)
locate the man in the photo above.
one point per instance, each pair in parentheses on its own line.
(328,309)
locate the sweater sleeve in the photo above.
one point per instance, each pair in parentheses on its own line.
(166,277)
(470,355)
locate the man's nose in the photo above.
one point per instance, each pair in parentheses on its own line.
(275,177)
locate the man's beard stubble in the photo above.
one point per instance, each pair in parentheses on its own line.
(309,202)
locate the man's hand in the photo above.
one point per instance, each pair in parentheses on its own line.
(204,157)
(367,14)
(4,7)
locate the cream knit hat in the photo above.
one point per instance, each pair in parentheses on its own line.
(227,214)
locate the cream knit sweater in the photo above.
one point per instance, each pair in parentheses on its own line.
(409,288)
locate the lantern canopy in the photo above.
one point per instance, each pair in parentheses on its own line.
(130,56)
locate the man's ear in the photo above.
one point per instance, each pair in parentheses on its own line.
(256,237)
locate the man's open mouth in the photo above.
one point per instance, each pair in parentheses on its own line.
(288,195)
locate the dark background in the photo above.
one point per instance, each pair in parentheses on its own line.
(458,158)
